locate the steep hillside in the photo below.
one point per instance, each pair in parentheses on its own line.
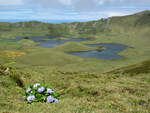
(114,24)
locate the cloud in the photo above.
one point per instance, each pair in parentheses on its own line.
(10,2)
(16,14)
(66,2)
(111,13)
(29,14)
(86,5)
(70,9)
(101,2)
(80,5)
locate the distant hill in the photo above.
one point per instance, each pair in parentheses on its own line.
(122,24)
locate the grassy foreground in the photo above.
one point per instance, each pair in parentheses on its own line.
(80,92)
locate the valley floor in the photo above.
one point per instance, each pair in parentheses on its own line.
(86,85)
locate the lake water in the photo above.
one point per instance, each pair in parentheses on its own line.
(110,53)
(50,42)
(54,42)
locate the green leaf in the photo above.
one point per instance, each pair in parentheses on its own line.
(56,95)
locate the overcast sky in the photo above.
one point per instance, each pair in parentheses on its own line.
(69,9)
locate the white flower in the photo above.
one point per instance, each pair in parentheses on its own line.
(50,99)
(30,98)
(56,100)
(41,89)
(49,91)
(36,85)
(28,90)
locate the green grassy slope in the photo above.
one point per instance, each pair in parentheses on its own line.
(136,22)
(75,47)
(80,92)
(141,68)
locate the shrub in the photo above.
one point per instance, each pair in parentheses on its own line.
(41,93)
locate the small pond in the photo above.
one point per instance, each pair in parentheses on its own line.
(110,52)
(50,42)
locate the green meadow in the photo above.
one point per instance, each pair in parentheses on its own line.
(86,85)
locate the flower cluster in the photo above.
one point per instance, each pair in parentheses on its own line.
(41,93)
